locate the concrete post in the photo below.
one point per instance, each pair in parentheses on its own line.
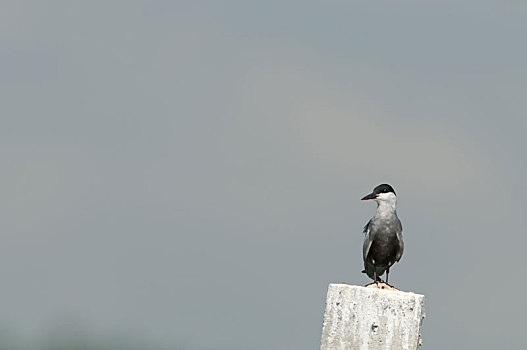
(369,318)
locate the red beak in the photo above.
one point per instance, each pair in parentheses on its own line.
(370,196)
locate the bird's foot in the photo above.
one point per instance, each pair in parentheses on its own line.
(381,285)
(374,284)
(389,285)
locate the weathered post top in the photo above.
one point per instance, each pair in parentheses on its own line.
(371,319)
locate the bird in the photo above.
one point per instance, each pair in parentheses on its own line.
(383,235)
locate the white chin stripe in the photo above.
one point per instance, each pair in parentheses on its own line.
(390,196)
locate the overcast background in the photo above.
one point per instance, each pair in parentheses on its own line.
(188,175)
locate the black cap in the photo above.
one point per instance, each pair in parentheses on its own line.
(384,188)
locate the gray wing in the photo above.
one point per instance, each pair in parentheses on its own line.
(367,240)
(399,232)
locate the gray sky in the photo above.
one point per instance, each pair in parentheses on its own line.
(187,175)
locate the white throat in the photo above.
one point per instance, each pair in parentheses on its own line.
(386,203)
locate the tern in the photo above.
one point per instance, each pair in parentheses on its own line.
(383,234)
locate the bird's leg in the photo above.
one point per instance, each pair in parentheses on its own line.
(375,275)
(387,272)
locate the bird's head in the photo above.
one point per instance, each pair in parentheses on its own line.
(382,193)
